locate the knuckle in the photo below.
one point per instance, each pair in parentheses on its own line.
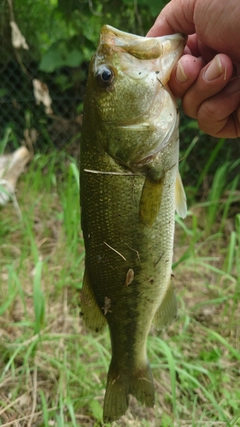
(209,120)
(189,106)
(208,113)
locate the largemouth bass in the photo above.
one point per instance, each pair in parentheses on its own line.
(130,189)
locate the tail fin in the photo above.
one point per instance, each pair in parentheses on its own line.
(138,383)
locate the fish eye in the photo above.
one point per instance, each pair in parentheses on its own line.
(105,76)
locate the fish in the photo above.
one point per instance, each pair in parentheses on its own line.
(130,188)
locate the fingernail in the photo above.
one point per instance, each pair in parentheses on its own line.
(214,70)
(233,86)
(180,74)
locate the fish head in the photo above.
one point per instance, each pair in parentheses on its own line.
(128,78)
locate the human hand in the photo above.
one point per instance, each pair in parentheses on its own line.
(206,77)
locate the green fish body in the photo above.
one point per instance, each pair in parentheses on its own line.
(129,191)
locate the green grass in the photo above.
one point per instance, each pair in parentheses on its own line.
(53,372)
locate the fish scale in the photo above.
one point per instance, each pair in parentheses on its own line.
(128,180)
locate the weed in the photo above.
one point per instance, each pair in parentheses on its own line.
(53,372)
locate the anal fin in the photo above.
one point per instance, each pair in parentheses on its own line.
(92,315)
(167,311)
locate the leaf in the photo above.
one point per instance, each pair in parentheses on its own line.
(60,55)
(51,61)
(74,58)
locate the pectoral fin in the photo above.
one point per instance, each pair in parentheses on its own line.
(92,315)
(180,198)
(150,201)
(167,311)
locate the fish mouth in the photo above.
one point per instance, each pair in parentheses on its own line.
(157,54)
(141,47)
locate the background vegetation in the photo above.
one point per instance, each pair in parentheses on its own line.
(52,371)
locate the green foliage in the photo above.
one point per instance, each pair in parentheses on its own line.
(60,54)
(66,33)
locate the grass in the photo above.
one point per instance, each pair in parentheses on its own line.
(53,372)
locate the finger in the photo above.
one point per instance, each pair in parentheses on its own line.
(176,16)
(216,23)
(220,115)
(211,80)
(197,48)
(192,44)
(206,52)
(184,74)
